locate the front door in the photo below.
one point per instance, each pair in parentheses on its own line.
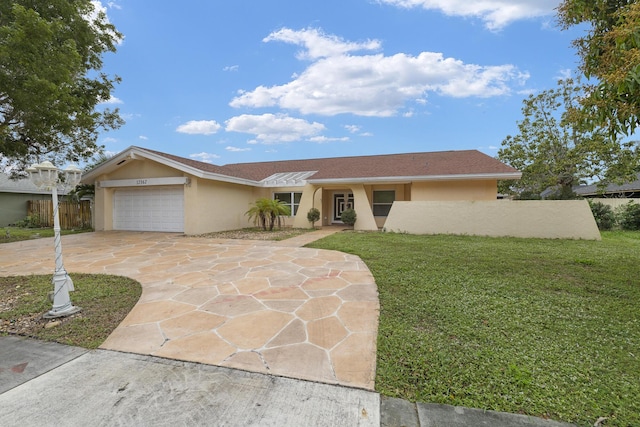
(341,201)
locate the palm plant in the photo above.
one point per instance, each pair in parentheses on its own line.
(268,212)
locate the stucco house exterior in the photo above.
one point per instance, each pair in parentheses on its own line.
(146,190)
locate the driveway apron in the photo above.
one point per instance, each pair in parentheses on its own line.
(268,307)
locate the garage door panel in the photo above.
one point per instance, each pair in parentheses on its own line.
(160,209)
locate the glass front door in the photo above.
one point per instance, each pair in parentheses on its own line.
(341,201)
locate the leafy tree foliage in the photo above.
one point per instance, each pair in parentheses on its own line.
(610,54)
(553,150)
(51,80)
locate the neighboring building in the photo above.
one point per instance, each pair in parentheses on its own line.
(630,190)
(146,190)
(14,195)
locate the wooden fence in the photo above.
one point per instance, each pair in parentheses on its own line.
(72,214)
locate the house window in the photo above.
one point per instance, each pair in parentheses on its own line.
(382,201)
(290,199)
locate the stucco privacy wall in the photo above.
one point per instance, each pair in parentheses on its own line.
(552,219)
(455,190)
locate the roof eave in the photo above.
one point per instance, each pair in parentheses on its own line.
(131,153)
(408,179)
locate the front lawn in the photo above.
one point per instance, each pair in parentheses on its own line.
(105,302)
(549,328)
(15,234)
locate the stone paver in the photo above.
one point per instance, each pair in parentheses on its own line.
(269,307)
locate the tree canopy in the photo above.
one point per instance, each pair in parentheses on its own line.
(610,54)
(554,150)
(51,81)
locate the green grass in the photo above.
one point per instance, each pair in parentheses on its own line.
(16,234)
(549,328)
(105,301)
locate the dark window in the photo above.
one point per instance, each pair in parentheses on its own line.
(382,201)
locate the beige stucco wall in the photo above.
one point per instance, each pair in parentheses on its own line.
(216,206)
(143,169)
(454,190)
(103,211)
(554,219)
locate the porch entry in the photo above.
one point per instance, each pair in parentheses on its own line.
(341,201)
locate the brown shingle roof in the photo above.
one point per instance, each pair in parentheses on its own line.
(467,162)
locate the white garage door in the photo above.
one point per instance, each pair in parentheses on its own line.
(148,209)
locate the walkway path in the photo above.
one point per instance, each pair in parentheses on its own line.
(268,307)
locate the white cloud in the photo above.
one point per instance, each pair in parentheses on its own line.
(324,139)
(564,74)
(236,149)
(496,14)
(273,129)
(231,68)
(319,45)
(357,129)
(109,140)
(199,127)
(142,137)
(204,157)
(375,85)
(112,100)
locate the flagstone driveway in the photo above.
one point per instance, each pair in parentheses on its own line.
(261,306)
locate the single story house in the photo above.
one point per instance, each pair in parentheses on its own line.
(630,190)
(14,195)
(146,190)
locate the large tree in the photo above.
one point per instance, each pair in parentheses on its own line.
(610,55)
(554,150)
(51,83)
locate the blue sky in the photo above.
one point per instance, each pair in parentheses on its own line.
(259,80)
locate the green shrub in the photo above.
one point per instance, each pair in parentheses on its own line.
(268,212)
(313,215)
(629,216)
(349,216)
(30,221)
(603,214)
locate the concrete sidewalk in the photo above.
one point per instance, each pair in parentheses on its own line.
(43,384)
